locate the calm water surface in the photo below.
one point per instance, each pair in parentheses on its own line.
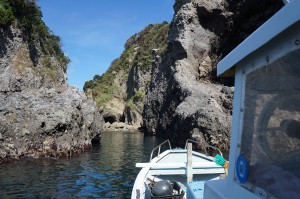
(108,171)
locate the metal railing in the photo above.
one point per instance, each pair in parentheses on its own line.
(159,147)
(205,146)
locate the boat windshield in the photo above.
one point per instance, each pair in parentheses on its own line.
(270,141)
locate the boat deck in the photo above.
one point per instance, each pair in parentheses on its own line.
(178,156)
(188,168)
(174,163)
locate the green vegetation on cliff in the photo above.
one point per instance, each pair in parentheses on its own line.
(26,15)
(138,55)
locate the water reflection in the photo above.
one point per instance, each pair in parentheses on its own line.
(106,172)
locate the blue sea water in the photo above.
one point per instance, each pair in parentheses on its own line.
(107,171)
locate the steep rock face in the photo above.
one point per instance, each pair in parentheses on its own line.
(21,67)
(46,122)
(39,114)
(185,99)
(120,91)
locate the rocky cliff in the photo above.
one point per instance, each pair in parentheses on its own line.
(185,99)
(120,91)
(39,114)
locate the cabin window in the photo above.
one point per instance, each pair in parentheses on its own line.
(270,140)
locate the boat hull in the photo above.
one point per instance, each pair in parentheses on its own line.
(172,165)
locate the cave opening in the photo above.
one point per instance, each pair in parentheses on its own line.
(110,119)
(96,140)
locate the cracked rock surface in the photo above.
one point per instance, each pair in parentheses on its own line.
(39,114)
(185,99)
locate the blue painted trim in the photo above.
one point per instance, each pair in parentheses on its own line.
(242,169)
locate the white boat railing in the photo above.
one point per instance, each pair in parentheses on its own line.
(187,141)
(205,146)
(159,147)
(177,165)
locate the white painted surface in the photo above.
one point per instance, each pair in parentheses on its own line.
(173,165)
(274,39)
(177,165)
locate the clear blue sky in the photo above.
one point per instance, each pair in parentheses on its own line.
(94,32)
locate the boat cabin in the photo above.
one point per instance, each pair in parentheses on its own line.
(265,135)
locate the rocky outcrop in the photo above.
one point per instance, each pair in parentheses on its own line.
(46,122)
(120,91)
(185,99)
(22,67)
(39,114)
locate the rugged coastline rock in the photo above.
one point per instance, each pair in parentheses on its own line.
(120,91)
(46,122)
(40,115)
(185,99)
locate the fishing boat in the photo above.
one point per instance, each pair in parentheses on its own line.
(264,151)
(177,173)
